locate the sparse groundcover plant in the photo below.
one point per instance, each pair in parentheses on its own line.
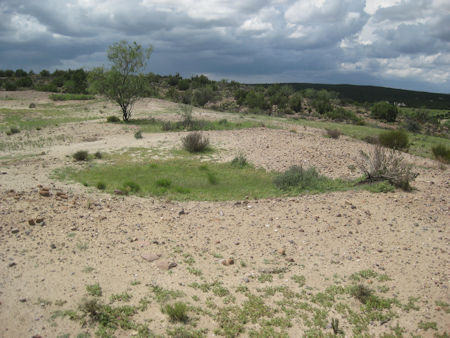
(372,139)
(176,312)
(81,155)
(361,293)
(386,165)
(195,142)
(333,133)
(112,119)
(395,139)
(98,155)
(138,134)
(441,153)
(163,182)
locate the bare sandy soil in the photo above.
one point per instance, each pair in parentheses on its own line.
(85,237)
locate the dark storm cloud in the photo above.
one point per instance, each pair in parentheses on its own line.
(405,42)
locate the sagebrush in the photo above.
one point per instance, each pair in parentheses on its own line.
(195,142)
(386,165)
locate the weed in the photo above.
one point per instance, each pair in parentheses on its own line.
(184,332)
(335,326)
(131,187)
(411,305)
(361,293)
(101,185)
(333,133)
(195,142)
(240,161)
(427,325)
(176,312)
(88,269)
(122,297)
(212,179)
(112,119)
(94,290)
(98,155)
(162,295)
(81,155)
(138,134)
(163,182)
(194,271)
(265,277)
(441,153)
(300,280)
(82,246)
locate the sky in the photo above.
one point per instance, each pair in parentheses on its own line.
(392,43)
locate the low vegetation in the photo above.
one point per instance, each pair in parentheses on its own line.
(67,97)
(394,139)
(195,142)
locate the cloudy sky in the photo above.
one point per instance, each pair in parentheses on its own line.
(394,43)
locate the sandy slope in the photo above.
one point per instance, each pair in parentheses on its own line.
(404,235)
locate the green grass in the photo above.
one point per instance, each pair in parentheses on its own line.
(185,179)
(153,125)
(67,97)
(94,290)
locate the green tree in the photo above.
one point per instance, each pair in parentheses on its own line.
(124,83)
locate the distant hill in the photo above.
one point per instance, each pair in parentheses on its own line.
(373,94)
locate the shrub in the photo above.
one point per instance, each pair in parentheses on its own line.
(81,155)
(372,139)
(176,312)
(212,179)
(138,134)
(295,177)
(239,161)
(441,153)
(412,126)
(386,165)
(131,187)
(10,86)
(361,293)
(333,133)
(32,105)
(195,142)
(341,114)
(385,111)
(98,155)
(395,139)
(13,130)
(112,119)
(295,102)
(101,186)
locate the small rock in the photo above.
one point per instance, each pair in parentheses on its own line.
(10,265)
(150,257)
(229,261)
(246,280)
(22,300)
(52,246)
(4,172)
(15,231)
(165,265)
(119,192)
(290,260)
(39,219)
(31,222)
(282,252)
(182,212)
(44,193)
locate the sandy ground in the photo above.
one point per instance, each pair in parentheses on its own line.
(404,235)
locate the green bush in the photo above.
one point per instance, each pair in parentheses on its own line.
(195,142)
(98,155)
(13,130)
(395,139)
(11,86)
(441,153)
(295,102)
(138,134)
(81,155)
(341,114)
(384,111)
(131,187)
(101,185)
(296,177)
(176,312)
(112,119)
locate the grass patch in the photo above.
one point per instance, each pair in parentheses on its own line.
(176,312)
(67,97)
(94,290)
